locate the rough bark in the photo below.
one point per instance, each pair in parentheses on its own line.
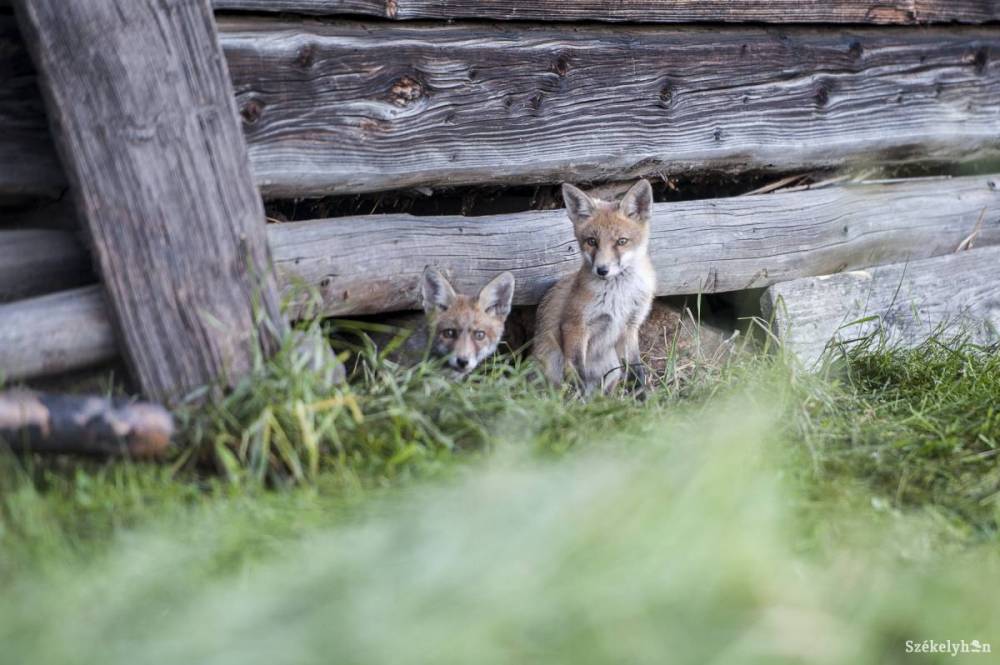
(141,107)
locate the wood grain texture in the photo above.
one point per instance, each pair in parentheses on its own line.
(143,116)
(363,265)
(57,333)
(350,107)
(372,264)
(344,107)
(38,261)
(947,296)
(885,12)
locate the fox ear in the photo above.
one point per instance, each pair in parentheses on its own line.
(436,291)
(496,297)
(579,206)
(638,202)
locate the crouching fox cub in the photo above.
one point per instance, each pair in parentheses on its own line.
(464,330)
(590,320)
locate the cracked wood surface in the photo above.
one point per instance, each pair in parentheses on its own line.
(346,106)
(883,12)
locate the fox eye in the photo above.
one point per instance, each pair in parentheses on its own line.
(591,242)
(480,335)
(622,241)
(449,333)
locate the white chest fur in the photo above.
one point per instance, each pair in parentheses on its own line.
(615,304)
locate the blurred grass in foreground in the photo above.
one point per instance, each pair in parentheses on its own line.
(754,514)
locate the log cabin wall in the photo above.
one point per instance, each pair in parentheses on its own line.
(345,97)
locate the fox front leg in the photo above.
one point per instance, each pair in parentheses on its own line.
(635,369)
(575,343)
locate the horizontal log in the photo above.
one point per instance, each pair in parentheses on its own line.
(371,264)
(83,425)
(346,107)
(38,261)
(53,334)
(364,265)
(883,12)
(903,304)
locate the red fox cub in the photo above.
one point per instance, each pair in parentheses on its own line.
(464,330)
(590,320)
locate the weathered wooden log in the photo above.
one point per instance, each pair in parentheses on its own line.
(904,304)
(83,425)
(40,261)
(885,12)
(371,264)
(365,265)
(57,333)
(147,128)
(350,107)
(362,265)
(464,104)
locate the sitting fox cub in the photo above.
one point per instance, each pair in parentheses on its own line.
(590,320)
(464,330)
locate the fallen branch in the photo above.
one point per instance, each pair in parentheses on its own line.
(83,425)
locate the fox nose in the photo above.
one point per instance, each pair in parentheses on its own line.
(462,363)
(602,271)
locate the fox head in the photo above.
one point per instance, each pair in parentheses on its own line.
(465,330)
(611,235)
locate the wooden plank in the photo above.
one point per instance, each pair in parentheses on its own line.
(40,261)
(345,107)
(350,107)
(147,128)
(883,12)
(364,265)
(372,264)
(57,333)
(906,303)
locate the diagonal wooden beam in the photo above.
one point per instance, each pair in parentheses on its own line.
(141,108)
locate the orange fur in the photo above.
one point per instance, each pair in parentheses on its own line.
(463,329)
(590,320)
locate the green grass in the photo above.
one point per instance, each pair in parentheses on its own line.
(752,513)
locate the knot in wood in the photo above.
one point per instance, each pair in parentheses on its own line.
(306,56)
(561,66)
(980,60)
(406,91)
(251,111)
(822,96)
(666,94)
